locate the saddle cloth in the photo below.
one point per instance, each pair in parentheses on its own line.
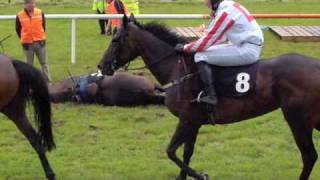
(235,81)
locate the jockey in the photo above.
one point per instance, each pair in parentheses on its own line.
(231,23)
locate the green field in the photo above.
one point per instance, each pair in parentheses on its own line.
(112,143)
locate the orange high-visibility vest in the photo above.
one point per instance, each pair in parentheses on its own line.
(113,10)
(31,27)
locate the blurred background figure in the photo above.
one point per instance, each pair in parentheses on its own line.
(31,27)
(133,6)
(100,6)
(116,7)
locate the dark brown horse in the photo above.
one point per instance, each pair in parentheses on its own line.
(121,89)
(20,83)
(290,82)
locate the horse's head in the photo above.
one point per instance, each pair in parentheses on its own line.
(121,49)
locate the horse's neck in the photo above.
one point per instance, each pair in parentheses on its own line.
(158,56)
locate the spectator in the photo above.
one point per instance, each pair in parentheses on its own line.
(30,27)
(116,7)
(133,6)
(99,6)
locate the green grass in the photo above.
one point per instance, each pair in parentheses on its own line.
(96,142)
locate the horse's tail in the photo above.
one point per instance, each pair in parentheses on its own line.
(33,87)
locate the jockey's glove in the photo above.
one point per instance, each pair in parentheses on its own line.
(179,48)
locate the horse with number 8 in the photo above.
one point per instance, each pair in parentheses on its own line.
(290,82)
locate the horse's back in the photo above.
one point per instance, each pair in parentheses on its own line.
(9,81)
(294,78)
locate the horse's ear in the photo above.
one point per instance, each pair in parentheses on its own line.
(125,20)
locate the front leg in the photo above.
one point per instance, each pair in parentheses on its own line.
(185,132)
(187,154)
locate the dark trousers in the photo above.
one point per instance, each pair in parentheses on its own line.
(102,24)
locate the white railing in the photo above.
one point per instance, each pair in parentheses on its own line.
(74,17)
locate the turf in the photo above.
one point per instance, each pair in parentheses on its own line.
(113,143)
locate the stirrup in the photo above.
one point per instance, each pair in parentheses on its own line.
(197,99)
(199,96)
(204,99)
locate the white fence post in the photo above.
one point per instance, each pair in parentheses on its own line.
(73,40)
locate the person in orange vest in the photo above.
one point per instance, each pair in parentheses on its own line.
(116,7)
(30,28)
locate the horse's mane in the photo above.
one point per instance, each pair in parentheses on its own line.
(163,33)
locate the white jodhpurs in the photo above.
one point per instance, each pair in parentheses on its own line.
(230,55)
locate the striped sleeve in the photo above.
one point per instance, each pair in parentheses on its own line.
(214,35)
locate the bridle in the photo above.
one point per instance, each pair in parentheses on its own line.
(114,66)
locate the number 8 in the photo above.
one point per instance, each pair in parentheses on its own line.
(242,84)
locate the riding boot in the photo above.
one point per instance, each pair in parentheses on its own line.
(207,79)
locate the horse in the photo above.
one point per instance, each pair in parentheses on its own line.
(21,83)
(290,82)
(122,89)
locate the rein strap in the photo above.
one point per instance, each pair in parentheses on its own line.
(178,81)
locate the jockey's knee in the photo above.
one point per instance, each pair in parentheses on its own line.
(201,57)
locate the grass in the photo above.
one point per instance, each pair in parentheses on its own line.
(96,142)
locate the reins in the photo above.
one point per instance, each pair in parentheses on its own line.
(2,40)
(175,82)
(126,67)
(182,79)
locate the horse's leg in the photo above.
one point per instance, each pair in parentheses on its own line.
(302,132)
(187,154)
(184,132)
(16,112)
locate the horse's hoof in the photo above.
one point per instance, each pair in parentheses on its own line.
(203,177)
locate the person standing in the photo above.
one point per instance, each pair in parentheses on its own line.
(30,28)
(133,6)
(99,6)
(116,7)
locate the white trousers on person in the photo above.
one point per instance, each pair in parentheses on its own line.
(230,55)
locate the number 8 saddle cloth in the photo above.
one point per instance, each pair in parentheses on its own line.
(235,81)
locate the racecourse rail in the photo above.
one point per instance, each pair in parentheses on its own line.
(74,17)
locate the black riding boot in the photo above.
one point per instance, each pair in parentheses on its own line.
(206,76)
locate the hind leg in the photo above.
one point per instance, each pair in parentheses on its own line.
(302,132)
(17,114)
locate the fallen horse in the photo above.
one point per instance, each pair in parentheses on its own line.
(122,89)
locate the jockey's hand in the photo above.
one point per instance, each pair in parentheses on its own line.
(179,48)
